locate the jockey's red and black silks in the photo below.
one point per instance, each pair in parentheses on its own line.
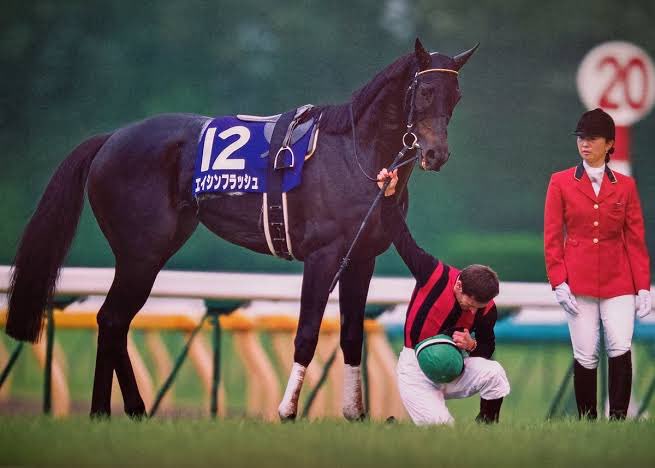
(433,309)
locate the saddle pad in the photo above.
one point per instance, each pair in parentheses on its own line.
(233,156)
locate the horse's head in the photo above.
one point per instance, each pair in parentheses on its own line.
(431,99)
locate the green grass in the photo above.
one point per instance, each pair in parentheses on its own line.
(523,438)
(120,442)
(535,372)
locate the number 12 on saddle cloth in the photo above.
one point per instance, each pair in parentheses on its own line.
(233,155)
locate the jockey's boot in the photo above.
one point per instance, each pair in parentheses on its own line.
(489,411)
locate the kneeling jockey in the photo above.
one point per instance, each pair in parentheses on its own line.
(445,301)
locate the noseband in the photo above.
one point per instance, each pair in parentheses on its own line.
(399,161)
(412,92)
(409,139)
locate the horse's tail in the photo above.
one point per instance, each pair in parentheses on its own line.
(46,241)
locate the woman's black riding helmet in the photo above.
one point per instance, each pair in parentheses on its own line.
(595,123)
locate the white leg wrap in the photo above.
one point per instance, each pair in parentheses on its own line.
(353,407)
(289,406)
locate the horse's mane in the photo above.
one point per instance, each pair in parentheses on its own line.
(335,118)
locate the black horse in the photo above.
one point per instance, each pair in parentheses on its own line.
(139,181)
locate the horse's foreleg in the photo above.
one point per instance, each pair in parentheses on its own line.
(353,289)
(320,267)
(288,408)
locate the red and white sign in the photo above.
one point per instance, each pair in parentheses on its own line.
(618,77)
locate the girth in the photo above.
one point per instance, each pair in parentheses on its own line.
(280,157)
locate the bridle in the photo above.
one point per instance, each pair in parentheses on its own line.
(412,91)
(410,144)
(397,162)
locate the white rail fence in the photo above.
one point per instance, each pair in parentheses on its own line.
(270,304)
(275,287)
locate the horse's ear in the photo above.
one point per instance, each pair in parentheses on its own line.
(422,55)
(462,58)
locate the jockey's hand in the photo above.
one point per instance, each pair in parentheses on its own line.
(464,340)
(383,175)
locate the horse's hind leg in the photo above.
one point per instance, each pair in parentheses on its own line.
(133,280)
(353,289)
(136,270)
(129,291)
(137,188)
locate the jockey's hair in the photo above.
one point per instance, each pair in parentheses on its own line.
(479,282)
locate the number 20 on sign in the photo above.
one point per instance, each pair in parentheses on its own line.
(620,78)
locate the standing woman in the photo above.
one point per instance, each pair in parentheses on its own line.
(597,261)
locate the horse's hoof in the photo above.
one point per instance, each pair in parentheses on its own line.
(100,416)
(356,417)
(287,419)
(137,415)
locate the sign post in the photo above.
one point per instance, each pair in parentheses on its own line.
(618,77)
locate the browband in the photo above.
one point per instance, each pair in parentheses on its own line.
(445,70)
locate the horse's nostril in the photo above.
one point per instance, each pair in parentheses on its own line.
(429,154)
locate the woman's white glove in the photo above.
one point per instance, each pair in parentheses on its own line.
(644,303)
(566,299)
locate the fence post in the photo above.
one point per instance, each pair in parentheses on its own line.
(10,364)
(649,392)
(216,343)
(560,392)
(47,382)
(180,360)
(319,384)
(367,394)
(371,313)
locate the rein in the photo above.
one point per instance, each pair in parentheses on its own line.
(410,116)
(397,162)
(345,261)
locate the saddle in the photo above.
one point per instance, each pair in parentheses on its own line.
(264,154)
(297,132)
(274,205)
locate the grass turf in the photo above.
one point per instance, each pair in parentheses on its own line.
(78,441)
(522,438)
(535,371)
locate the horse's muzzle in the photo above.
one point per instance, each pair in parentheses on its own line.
(432,160)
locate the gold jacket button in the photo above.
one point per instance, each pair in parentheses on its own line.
(595,206)
(595,241)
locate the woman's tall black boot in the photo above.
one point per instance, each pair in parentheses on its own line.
(584,383)
(620,385)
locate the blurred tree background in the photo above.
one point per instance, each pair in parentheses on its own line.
(69,69)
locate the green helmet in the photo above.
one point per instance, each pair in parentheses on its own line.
(439,358)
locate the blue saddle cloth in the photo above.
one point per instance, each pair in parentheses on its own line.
(233,156)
